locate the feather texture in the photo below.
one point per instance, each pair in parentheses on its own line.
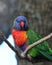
(20,37)
(40,49)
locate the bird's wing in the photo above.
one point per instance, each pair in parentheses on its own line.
(42,48)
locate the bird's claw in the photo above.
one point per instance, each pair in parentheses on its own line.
(23,55)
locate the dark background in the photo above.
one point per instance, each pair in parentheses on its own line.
(38,13)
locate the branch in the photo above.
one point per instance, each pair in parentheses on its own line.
(2,36)
(23,54)
(34,44)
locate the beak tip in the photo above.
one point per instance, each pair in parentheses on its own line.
(22,24)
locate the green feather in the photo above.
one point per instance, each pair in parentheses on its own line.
(42,48)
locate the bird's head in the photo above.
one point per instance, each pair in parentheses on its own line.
(21,23)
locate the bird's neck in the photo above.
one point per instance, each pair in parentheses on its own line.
(20,31)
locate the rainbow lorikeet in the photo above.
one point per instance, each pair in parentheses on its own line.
(24,36)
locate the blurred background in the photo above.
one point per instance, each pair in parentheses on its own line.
(38,13)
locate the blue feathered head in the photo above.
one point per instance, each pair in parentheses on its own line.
(21,23)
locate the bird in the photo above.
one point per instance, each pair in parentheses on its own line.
(24,36)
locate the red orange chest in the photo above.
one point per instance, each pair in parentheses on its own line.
(20,37)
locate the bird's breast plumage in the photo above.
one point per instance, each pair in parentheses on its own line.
(20,37)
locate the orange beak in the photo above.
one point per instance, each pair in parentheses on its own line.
(22,24)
